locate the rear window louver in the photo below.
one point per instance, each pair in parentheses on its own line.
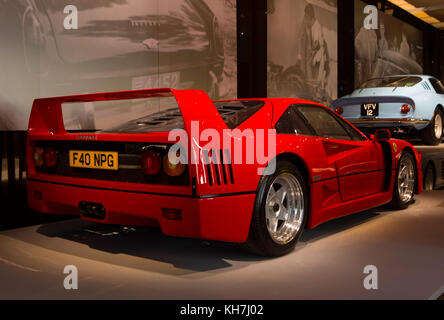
(426,86)
(218,167)
(165,120)
(234,113)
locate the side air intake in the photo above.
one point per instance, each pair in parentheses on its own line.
(218,167)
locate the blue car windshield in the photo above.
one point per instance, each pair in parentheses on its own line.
(387,82)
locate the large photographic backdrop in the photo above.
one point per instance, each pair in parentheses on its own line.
(393,48)
(119,45)
(135,44)
(302,49)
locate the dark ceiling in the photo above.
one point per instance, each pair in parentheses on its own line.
(430,11)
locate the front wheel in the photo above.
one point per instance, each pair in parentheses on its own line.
(432,134)
(280,212)
(404,187)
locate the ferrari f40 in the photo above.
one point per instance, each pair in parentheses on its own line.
(322,168)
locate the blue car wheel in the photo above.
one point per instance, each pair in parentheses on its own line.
(432,134)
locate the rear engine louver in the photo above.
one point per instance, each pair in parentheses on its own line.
(218,167)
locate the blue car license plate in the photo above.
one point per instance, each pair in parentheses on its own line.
(369,109)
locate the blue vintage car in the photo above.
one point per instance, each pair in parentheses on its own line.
(405,104)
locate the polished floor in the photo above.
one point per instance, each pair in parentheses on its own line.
(407,247)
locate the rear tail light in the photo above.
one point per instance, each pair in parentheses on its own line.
(151,162)
(37,156)
(339,110)
(175,168)
(44,157)
(405,109)
(50,157)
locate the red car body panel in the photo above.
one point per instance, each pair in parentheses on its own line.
(343,177)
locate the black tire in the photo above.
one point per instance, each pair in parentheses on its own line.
(429,178)
(398,203)
(259,239)
(428,134)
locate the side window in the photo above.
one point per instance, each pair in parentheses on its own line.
(352,132)
(324,123)
(291,123)
(437,85)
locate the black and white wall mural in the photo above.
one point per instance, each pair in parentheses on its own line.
(302,49)
(58,47)
(392,47)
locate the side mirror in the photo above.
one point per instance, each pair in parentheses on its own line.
(382,135)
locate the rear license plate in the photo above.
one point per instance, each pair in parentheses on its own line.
(107,160)
(369,109)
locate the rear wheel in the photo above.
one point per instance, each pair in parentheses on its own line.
(280,212)
(405,179)
(432,134)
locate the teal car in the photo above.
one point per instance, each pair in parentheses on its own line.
(411,105)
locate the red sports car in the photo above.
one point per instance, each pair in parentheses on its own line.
(319,167)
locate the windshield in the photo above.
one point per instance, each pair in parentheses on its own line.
(387,82)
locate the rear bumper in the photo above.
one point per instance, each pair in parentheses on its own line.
(219,217)
(417,124)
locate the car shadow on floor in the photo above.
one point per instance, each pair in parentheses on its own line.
(338,225)
(144,248)
(148,249)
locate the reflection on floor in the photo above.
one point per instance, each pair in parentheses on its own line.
(117,262)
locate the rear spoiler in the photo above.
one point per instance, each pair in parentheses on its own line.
(47,117)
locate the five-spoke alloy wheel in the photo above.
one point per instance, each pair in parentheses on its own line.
(284,209)
(405,181)
(280,211)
